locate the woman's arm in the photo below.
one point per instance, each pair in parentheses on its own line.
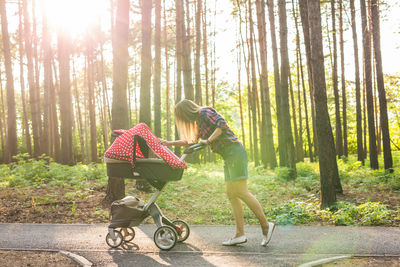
(173,143)
(217,132)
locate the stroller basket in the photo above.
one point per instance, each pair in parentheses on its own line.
(127,212)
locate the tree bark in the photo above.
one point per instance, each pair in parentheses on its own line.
(22,82)
(253,88)
(289,151)
(360,150)
(327,157)
(186,58)
(268,156)
(64,45)
(198,93)
(338,124)
(387,153)
(157,70)
(12,146)
(343,80)
(307,44)
(368,87)
(275,59)
(33,94)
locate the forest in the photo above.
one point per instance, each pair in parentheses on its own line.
(297,81)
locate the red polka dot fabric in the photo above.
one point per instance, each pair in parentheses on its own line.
(123,146)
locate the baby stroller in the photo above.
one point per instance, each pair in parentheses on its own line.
(131,211)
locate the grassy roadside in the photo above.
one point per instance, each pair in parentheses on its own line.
(38,191)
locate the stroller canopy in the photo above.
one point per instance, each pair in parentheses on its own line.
(123,147)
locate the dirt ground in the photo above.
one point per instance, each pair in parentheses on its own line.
(370,262)
(35,259)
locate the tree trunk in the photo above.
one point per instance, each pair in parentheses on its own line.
(253,88)
(157,70)
(368,87)
(327,157)
(92,101)
(167,82)
(338,124)
(360,150)
(299,141)
(179,58)
(343,80)
(22,82)
(294,119)
(275,59)
(64,45)
(78,114)
(199,11)
(387,153)
(307,42)
(288,151)
(119,112)
(186,58)
(268,156)
(12,145)
(33,94)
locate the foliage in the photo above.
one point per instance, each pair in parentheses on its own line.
(30,172)
(200,196)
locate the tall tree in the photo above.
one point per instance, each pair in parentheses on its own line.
(22,82)
(11,110)
(387,153)
(327,158)
(373,154)
(167,88)
(198,93)
(338,124)
(253,88)
(307,43)
(119,112)
(289,153)
(157,69)
(360,150)
(275,59)
(64,46)
(267,139)
(91,97)
(186,57)
(343,80)
(34,96)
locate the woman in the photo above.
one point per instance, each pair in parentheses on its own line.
(195,122)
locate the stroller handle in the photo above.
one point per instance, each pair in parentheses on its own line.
(192,148)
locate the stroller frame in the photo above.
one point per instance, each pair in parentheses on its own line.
(158,173)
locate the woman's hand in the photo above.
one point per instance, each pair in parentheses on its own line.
(163,142)
(204,142)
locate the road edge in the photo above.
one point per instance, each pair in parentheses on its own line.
(323,261)
(77,258)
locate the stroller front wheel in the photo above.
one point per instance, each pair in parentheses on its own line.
(115,239)
(165,237)
(183,230)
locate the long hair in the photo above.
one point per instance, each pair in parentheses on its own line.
(186,115)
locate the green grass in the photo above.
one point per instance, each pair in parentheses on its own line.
(371,197)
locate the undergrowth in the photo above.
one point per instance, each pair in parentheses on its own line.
(200,196)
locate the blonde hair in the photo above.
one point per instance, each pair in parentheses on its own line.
(186,115)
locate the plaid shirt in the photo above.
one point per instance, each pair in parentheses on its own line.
(209,120)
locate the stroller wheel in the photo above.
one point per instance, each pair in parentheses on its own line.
(128,233)
(114,240)
(165,237)
(183,230)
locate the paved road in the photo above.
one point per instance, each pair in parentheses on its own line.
(290,245)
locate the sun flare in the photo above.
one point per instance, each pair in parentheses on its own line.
(75,16)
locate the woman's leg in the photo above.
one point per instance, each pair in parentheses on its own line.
(241,191)
(237,208)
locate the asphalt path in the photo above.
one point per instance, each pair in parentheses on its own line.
(290,245)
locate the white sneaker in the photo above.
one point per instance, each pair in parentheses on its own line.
(235,241)
(267,237)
